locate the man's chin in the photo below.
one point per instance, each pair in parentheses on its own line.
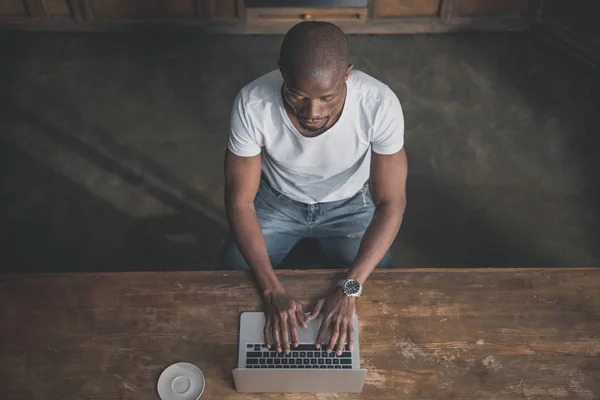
(314,128)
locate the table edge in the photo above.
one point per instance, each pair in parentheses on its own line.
(294,272)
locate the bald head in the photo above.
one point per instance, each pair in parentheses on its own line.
(314,50)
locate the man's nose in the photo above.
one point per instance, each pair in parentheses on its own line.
(313,110)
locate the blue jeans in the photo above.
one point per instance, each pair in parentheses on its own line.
(338,226)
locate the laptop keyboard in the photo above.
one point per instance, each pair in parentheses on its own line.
(305,356)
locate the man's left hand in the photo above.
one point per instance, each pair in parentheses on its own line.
(338,313)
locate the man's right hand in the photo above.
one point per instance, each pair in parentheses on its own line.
(283,314)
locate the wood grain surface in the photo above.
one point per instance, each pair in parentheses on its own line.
(425,334)
(407,8)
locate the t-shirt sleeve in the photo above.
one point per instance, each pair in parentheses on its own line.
(242,133)
(388,126)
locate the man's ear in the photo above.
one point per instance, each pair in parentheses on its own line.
(347,74)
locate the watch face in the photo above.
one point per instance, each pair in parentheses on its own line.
(352,287)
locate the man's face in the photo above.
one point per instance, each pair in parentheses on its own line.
(314,100)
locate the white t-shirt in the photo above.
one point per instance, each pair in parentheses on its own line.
(332,166)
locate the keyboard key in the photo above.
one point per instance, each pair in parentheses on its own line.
(346,354)
(321,361)
(295,354)
(332,354)
(317,354)
(257,347)
(306,361)
(249,346)
(305,347)
(284,361)
(292,361)
(286,366)
(336,361)
(265,354)
(313,361)
(324,354)
(329,366)
(302,354)
(346,366)
(293,366)
(322,366)
(262,361)
(279,355)
(252,361)
(264,346)
(288,355)
(309,354)
(314,366)
(269,361)
(345,361)
(300,366)
(254,354)
(327,361)
(337,366)
(272,366)
(277,361)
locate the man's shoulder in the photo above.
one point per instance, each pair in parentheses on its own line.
(367,89)
(261,90)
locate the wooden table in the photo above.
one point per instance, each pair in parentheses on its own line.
(425,334)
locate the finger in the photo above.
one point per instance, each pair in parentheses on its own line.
(315,312)
(285,335)
(351,337)
(335,333)
(293,324)
(267,333)
(275,330)
(342,339)
(300,316)
(323,330)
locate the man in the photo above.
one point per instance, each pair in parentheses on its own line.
(316,150)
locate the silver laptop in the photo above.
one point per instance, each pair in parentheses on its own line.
(304,370)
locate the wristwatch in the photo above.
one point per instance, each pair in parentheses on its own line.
(351,287)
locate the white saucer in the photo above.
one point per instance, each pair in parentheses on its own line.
(181,381)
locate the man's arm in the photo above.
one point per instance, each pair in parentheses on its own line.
(388,187)
(242,179)
(282,312)
(388,184)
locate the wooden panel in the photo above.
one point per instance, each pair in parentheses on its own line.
(489,7)
(142,9)
(36,8)
(424,334)
(12,9)
(294,15)
(448,10)
(225,9)
(57,8)
(406,8)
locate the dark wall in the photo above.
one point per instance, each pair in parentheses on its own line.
(574,25)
